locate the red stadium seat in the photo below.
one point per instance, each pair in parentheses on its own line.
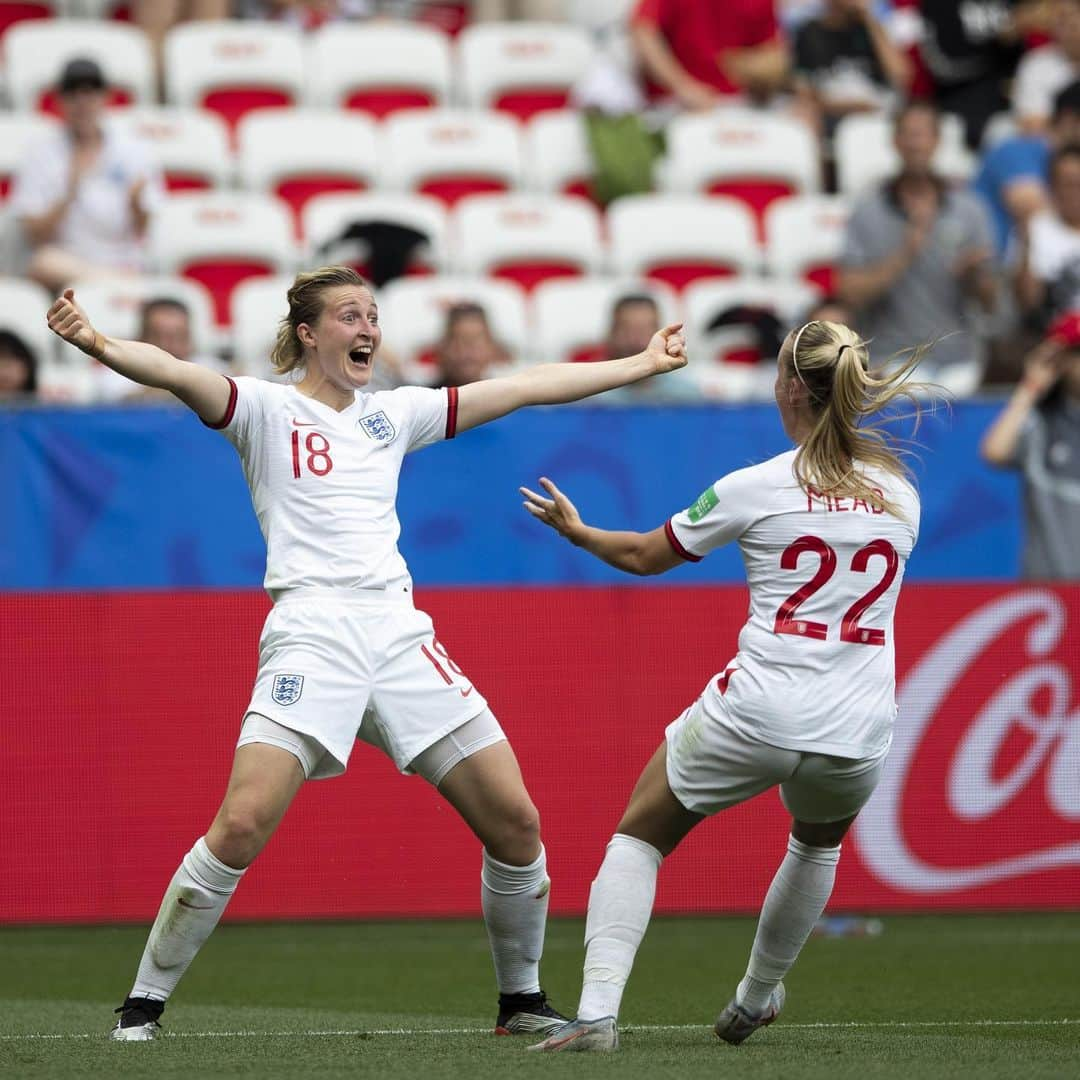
(220,239)
(804,238)
(405,66)
(557,153)
(681,239)
(17,11)
(190,146)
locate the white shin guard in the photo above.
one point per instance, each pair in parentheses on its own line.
(193,903)
(515,904)
(620,905)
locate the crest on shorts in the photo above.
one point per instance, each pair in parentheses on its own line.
(377,426)
(287,689)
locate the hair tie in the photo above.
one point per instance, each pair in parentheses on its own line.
(840,351)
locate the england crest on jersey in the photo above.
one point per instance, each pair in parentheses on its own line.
(287,689)
(377,426)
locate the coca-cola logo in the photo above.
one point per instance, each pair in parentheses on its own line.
(1026,732)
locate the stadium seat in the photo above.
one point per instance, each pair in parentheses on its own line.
(190,146)
(18,132)
(725,360)
(403,66)
(753,156)
(526,238)
(450,153)
(570,319)
(521,68)
(17,11)
(339,154)
(863,146)
(22,312)
(804,237)
(680,238)
(114,306)
(258,306)
(557,154)
(327,218)
(234,66)
(101,9)
(413,314)
(36,52)
(220,239)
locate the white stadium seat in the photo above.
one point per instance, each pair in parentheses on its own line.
(327,218)
(234,66)
(259,306)
(450,153)
(18,133)
(571,319)
(753,156)
(379,68)
(557,154)
(190,146)
(521,68)
(865,155)
(36,52)
(526,238)
(114,307)
(413,314)
(338,153)
(680,238)
(22,312)
(725,359)
(220,239)
(804,237)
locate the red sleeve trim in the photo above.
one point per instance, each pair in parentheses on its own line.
(673,540)
(230,409)
(451,411)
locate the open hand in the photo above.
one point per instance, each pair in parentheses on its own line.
(558,511)
(667,349)
(69,321)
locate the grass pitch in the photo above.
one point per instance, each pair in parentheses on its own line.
(986,997)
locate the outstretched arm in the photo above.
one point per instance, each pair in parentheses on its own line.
(633,552)
(556,384)
(204,391)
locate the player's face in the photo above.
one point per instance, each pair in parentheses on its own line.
(346,337)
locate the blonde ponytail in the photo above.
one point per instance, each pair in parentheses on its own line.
(305,306)
(843,392)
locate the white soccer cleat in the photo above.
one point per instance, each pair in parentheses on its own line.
(138,1020)
(600,1035)
(734,1025)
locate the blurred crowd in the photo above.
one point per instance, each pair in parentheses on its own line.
(986,267)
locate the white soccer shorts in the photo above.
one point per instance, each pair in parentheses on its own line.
(338,665)
(712,765)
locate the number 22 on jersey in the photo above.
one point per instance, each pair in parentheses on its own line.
(850,630)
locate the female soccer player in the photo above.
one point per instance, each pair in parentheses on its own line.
(344,654)
(807,702)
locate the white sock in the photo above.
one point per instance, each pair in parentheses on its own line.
(794,903)
(515,904)
(190,910)
(620,904)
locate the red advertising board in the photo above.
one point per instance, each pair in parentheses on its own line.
(119,712)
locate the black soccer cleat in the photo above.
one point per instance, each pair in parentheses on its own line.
(527,1014)
(138,1020)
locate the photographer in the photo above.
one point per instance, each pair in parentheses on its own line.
(1038,433)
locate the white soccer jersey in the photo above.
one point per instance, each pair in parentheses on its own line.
(815,667)
(324,483)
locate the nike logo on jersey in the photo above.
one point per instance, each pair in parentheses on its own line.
(305,423)
(466,693)
(194,907)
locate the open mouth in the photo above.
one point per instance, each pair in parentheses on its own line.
(361,356)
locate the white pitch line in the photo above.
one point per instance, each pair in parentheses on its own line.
(819,1026)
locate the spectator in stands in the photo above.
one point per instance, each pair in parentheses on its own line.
(1048,270)
(84,194)
(311,14)
(1014,174)
(700,51)
(18,368)
(829,309)
(1044,71)
(845,62)
(526,10)
(1038,432)
(157,17)
(468,350)
(915,254)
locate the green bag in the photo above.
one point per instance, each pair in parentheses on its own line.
(624,152)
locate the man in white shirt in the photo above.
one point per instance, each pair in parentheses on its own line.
(1045,71)
(85,193)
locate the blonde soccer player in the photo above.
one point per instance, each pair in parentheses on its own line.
(344,654)
(807,703)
